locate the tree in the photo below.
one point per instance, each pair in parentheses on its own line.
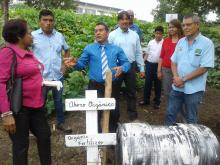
(164,7)
(200,7)
(62,4)
(2,7)
(5,9)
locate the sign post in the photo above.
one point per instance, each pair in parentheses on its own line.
(170,17)
(106,114)
(91,104)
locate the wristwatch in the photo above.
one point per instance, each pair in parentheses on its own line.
(183,79)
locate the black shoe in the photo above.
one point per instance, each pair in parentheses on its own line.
(156,106)
(143,103)
(62,128)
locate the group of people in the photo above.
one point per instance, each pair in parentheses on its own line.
(181,63)
(119,51)
(157,57)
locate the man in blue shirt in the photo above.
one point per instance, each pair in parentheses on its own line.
(193,56)
(47,46)
(133,26)
(116,61)
(129,41)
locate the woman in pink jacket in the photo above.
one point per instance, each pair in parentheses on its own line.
(31,116)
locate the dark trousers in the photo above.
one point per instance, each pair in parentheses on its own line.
(114,114)
(150,80)
(130,83)
(35,121)
(58,103)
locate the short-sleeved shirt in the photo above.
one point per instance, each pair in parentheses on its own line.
(167,50)
(153,50)
(48,50)
(191,57)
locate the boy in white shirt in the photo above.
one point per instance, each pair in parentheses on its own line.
(151,58)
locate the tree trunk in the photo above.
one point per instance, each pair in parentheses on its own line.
(2,7)
(5,6)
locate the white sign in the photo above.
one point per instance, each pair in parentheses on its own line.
(90,104)
(170,17)
(84,140)
(91,139)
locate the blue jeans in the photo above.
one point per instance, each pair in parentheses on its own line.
(58,103)
(179,99)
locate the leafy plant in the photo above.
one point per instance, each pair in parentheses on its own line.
(214,33)
(63,4)
(79,31)
(75,84)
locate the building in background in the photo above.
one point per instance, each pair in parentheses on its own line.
(90,8)
(86,8)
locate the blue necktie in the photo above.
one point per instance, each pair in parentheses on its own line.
(104,62)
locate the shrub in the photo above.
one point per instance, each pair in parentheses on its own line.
(79,31)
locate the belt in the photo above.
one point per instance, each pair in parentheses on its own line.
(153,63)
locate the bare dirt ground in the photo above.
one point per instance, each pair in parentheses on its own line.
(209,115)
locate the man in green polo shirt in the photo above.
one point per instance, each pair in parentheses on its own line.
(193,56)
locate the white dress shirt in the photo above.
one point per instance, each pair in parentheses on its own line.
(153,50)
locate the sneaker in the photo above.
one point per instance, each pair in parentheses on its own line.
(143,103)
(156,106)
(31,134)
(62,128)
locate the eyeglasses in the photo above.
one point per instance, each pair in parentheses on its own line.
(187,24)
